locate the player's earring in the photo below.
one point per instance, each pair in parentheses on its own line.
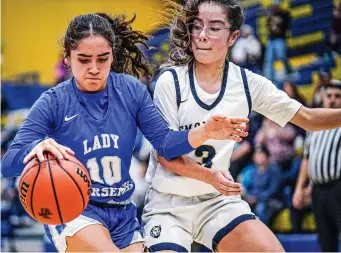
(66,64)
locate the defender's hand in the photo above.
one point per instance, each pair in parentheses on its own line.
(222,128)
(224,183)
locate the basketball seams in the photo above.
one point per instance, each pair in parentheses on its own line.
(28,170)
(54,191)
(79,164)
(80,191)
(32,191)
(22,176)
(55,159)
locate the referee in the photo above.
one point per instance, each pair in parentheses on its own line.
(322,163)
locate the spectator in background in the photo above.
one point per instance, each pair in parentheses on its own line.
(276,48)
(242,153)
(247,50)
(4,104)
(324,79)
(7,228)
(263,188)
(297,214)
(291,89)
(335,36)
(279,141)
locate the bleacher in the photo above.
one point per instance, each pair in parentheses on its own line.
(307,40)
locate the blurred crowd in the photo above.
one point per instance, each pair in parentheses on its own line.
(267,162)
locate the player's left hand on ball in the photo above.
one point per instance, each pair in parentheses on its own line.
(224,183)
(221,127)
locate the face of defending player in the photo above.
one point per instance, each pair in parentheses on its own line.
(90,63)
(210,34)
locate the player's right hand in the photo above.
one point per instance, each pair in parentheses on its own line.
(224,183)
(49,145)
(297,198)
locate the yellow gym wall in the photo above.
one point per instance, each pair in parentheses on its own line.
(32,29)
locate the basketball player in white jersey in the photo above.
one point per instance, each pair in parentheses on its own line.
(194,197)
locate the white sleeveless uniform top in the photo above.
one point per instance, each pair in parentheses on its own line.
(184,105)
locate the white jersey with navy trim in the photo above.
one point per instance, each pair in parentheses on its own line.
(188,106)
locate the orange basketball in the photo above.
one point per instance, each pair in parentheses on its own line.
(54,191)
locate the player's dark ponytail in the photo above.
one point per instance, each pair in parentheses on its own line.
(128,58)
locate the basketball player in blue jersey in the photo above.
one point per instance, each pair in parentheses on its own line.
(94,116)
(193,197)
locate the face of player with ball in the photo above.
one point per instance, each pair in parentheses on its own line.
(90,63)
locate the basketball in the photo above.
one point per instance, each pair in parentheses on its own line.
(54,191)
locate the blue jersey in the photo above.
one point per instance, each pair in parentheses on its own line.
(105,144)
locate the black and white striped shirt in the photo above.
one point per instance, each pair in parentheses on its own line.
(323,149)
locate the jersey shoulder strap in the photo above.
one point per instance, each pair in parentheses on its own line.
(246,89)
(176,83)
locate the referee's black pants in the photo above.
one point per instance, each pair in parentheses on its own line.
(326,203)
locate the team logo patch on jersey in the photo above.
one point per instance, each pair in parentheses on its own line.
(156,231)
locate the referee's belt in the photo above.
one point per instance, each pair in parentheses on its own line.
(330,183)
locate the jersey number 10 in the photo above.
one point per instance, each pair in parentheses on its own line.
(111,170)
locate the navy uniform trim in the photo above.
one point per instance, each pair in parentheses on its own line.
(246,88)
(229,227)
(109,205)
(167,246)
(222,90)
(177,86)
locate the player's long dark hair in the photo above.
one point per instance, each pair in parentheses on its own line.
(128,58)
(179,17)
